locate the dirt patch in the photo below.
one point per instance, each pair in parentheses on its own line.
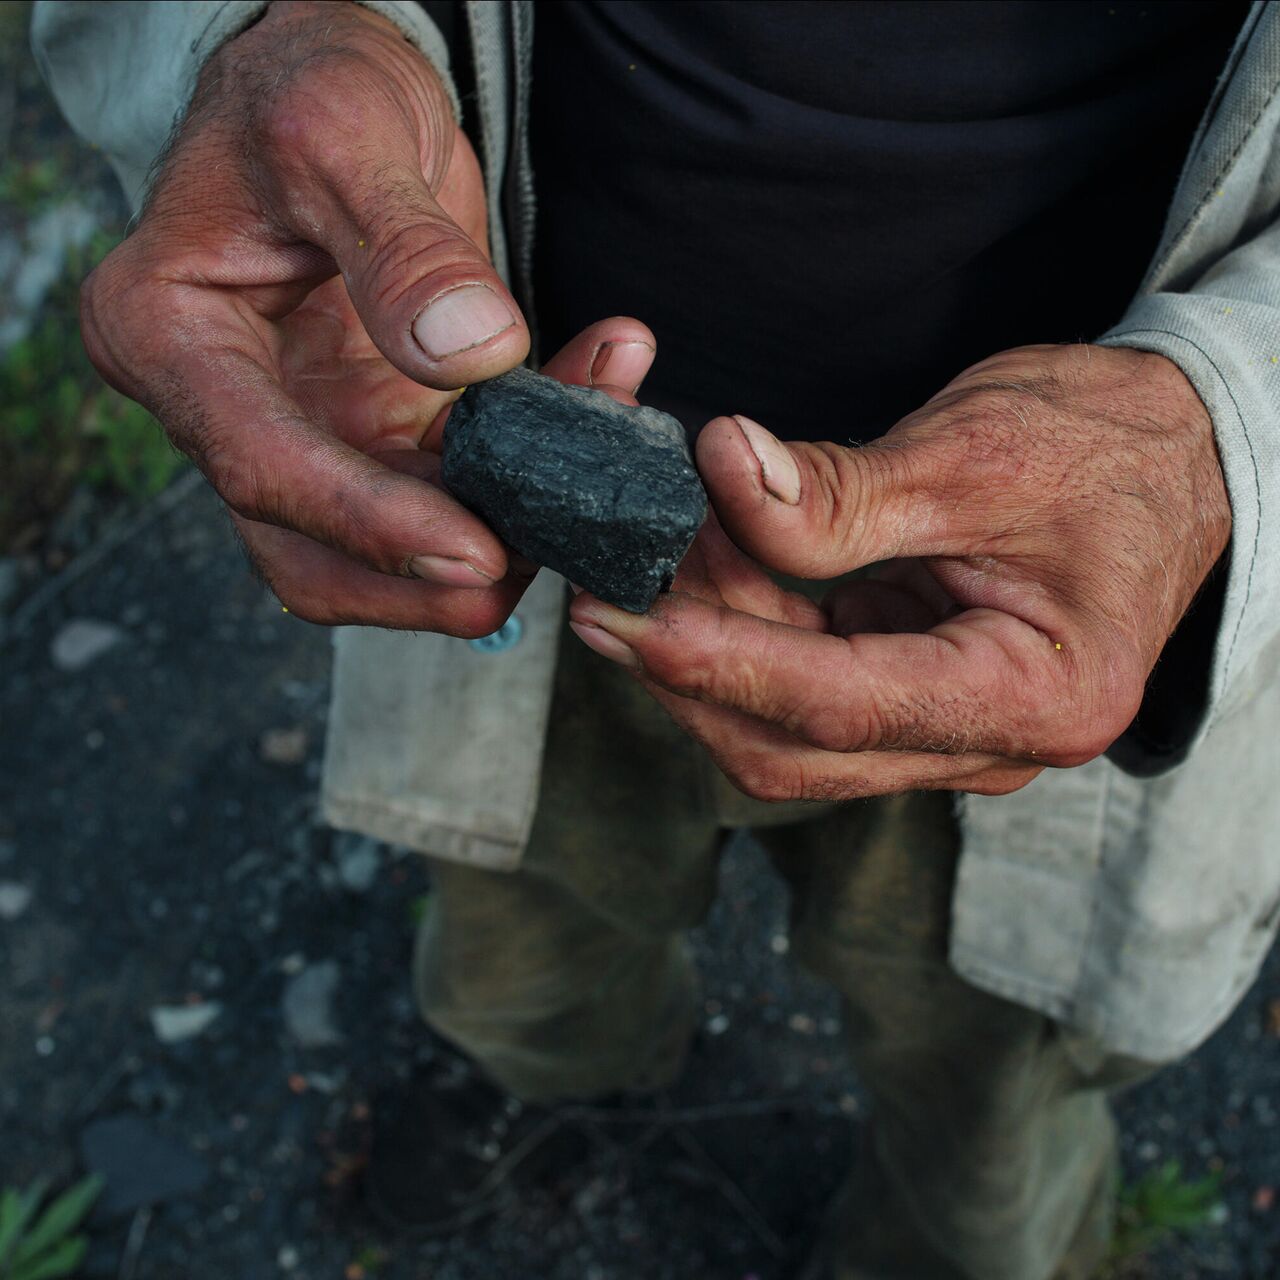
(174,859)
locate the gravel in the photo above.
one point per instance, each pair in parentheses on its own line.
(171,867)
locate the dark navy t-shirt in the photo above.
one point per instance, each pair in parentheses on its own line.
(826,210)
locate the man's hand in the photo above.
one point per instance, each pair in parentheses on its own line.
(306,289)
(1047,519)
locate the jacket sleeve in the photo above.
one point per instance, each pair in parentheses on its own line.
(1218,319)
(123,71)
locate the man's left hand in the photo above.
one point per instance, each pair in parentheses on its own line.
(1040,526)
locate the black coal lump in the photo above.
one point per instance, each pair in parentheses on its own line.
(601,492)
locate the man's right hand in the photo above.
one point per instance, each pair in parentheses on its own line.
(303,294)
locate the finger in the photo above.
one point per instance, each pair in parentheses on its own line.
(768,764)
(983,681)
(352,176)
(715,570)
(611,355)
(820,510)
(323,586)
(340,379)
(617,353)
(272,465)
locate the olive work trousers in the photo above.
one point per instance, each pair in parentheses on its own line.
(991,1153)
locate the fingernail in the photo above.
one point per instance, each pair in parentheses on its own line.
(605,645)
(777,466)
(577,590)
(621,364)
(448,572)
(460,319)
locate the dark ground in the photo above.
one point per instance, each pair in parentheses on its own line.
(174,859)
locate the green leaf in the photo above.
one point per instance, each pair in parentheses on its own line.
(1161,1203)
(17,1209)
(61,1218)
(63,1261)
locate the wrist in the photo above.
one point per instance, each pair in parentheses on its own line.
(1175,405)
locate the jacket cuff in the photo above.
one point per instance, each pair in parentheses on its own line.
(1237,379)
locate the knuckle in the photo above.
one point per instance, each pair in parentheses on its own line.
(239,484)
(92,293)
(1109,703)
(836,729)
(674,659)
(845,482)
(982,438)
(421,243)
(299,125)
(115,304)
(761,776)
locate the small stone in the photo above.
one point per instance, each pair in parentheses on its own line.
(82,641)
(802,1023)
(307,1006)
(152,1090)
(601,492)
(587,1199)
(1263,1199)
(15,898)
(325,1082)
(779,944)
(283,746)
(140,1165)
(718,1025)
(178,1022)
(287,1257)
(45,1046)
(358,863)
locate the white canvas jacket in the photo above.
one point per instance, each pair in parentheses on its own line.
(1134,909)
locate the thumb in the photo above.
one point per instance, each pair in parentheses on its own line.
(820,510)
(424,290)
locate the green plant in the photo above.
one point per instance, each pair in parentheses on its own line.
(44,1247)
(60,426)
(1161,1203)
(135,458)
(31,185)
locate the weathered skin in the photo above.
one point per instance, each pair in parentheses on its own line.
(602,492)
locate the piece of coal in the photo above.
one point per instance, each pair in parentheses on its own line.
(601,492)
